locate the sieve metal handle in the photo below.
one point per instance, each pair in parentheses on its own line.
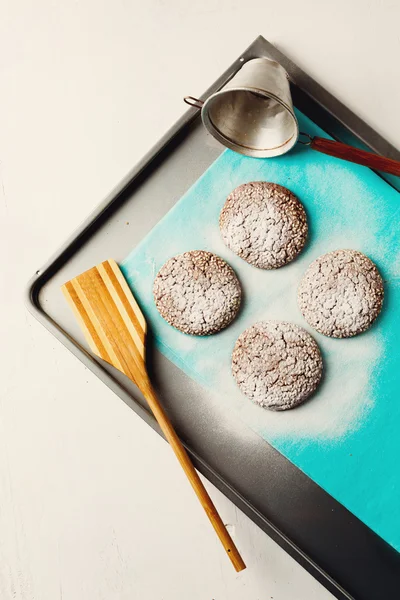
(195,102)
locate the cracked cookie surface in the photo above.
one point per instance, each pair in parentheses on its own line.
(197,292)
(276,364)
(341,293)
(264,223)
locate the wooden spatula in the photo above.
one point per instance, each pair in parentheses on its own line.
(115,329)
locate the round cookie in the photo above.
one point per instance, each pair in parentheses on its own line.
(276,364)
(341,293)
(264,223)
(197,292)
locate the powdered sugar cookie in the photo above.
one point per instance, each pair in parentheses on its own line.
(264,223)
(276,364)
(197,292)
(341,293)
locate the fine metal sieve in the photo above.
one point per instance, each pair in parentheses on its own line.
(253,114)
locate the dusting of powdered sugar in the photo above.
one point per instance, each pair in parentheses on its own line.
(264,223)
(197,292)
(341,293)
(344,396)
(276,364)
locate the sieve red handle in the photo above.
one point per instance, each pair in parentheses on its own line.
(355,155)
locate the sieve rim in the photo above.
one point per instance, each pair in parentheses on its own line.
(254,151)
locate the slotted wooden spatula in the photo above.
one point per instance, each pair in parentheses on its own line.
(115,329)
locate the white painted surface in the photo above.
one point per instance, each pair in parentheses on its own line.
(92,504)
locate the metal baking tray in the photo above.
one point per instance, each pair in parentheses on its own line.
(333,545)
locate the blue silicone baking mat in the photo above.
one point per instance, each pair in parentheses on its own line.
(346,438)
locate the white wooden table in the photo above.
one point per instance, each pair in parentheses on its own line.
(86,87)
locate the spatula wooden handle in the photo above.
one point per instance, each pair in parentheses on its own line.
(192,475)
(355,155)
